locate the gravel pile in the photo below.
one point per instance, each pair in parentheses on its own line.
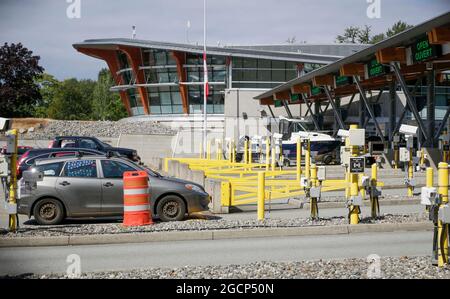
(197,225)
(109,129)
(391,268)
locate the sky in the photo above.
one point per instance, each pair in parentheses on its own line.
(44,27)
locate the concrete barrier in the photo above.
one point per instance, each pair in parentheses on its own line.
(214,189)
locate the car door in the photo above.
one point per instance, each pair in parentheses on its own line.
(112,185)
(80,187)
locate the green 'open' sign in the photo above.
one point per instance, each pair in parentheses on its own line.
(422,50)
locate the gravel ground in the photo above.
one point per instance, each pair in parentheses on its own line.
(96,128)
(391,268)
(213,223)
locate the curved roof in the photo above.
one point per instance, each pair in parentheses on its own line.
(198,49)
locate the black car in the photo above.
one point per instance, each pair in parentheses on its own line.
(29,157)
(94,144)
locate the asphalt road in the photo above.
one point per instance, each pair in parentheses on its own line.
(120,257)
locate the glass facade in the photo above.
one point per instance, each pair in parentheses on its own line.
(163,84)
(262,73)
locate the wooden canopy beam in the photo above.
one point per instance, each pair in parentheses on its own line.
(391,54)
(352,69)
(266,101)
(325,80)
(440,35)
(283,95)
(301,88)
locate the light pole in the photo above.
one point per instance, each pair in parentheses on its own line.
(206,87)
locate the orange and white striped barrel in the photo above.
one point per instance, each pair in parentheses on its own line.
(136,199)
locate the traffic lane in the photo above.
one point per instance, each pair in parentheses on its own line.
(122,257)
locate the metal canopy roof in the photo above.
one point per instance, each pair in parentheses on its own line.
(222,51)
(402,39)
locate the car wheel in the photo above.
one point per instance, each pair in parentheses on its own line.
(327,160)
(48,211)
(171,208)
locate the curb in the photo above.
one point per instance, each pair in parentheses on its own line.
(389,202)
(212,235)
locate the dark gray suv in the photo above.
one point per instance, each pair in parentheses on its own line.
(92,186)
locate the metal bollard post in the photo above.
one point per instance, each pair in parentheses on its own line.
(314,208)
(299,159)
(443,228)
(308,159)
(410,175)
(273,159)
(208,150)
(267,154)
(250,152)
(261,194)
(396,158)
(362,189)
(374,203)
(245,158)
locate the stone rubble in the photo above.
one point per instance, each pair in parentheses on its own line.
(355,268)
(110,129)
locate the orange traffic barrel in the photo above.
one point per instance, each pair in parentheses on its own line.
(136,199)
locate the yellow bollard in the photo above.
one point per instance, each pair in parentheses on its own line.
(308,159)
(396,158)
(354,190)
(299,159)
(261,194)
(267,154)
(208,150)
(314,209)
(410,174)
(274,157)
(13,183)
(245,152)
(430,178)
(443,228)
(250,152)
(375,207)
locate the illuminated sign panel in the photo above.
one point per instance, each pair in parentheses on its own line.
(422,50)
(342,80)
(375,69)
(315,91)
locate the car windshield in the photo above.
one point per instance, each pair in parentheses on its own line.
(152,172)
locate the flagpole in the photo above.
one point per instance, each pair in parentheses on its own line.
(205,91)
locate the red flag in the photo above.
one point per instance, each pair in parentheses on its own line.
(205,71)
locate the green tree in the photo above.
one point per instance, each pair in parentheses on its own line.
(377,38)
(397,28)
(18,91)
(350,35)
(106,105)
(48,86)
(364,35)
(72,100)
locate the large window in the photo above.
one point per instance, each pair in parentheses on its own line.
(262,73)
(165,100)
(215,102)
(135,102)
